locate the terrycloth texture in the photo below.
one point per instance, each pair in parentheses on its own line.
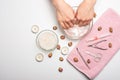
(108,19)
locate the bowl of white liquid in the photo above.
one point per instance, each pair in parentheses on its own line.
(47,40)
(78,32)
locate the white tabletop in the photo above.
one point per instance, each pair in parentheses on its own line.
(18,48)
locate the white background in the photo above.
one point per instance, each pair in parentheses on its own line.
(18,48)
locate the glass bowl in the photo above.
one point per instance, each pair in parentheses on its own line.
(47,40)
(78,32)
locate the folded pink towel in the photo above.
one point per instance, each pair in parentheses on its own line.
(96,49)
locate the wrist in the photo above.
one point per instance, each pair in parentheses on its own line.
(90,2)
(56,3)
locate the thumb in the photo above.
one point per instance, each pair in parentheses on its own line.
(76,13)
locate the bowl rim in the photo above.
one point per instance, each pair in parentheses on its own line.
(38,35)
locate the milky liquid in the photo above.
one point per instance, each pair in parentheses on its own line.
(47,40)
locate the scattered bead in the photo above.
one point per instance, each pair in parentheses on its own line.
(110,29)
(75,59)
(65,50)
(35,29)
(58,47)
(50,55)
(88,61)
(61,58)
(62,37)
(60,69)
(54,27)
(110,45)
(69,44)
(39,57)
(99,28)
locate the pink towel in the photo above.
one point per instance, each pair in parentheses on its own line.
(97,53)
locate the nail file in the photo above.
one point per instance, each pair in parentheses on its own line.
(100,37)
(82,58)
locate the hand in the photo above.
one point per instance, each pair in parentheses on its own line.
(85,12)
(65,13)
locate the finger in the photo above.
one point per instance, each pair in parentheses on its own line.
(77,22)
(76,14)
(88,22)
(80,23)
(77,18)
(70,24)
(62,25)
(85,23)
(74,21)
(66,25)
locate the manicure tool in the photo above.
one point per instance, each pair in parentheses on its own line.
(95,45)
(100,37)
(97,57)
(82,58)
